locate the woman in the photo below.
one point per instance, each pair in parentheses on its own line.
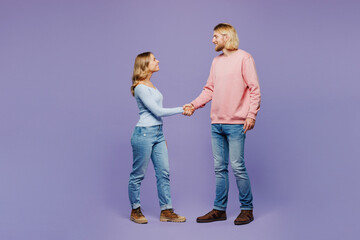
(148,140)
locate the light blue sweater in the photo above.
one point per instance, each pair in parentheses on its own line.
(149,101)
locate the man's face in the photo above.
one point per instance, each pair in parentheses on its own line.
(219,41)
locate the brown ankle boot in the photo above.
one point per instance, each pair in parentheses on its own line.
(168,215)
(137,216)
(245,217)
(213,215)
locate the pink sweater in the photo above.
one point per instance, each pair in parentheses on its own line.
(233,87)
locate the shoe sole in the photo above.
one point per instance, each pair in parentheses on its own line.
(163,219)
(245,222)
(210,220)
(139,221)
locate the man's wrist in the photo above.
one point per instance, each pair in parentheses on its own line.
(252,116)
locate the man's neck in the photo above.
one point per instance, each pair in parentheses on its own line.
(228,52)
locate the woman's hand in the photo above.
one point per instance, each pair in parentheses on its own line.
(189,109)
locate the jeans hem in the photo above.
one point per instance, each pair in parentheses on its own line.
(219,208)
(166,206)
(246,208)
(135,205)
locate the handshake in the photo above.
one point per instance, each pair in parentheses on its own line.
(189,109)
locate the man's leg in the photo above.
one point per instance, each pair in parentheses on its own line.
(236,138)
(220,150)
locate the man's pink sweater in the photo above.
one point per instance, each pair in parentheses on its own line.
(233,87)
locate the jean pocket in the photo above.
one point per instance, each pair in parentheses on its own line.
(142,131)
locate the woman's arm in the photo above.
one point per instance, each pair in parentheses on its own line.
(151,105)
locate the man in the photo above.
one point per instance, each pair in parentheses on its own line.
(234,90)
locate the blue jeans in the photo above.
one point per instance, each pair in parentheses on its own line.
(228,141)
(149,142)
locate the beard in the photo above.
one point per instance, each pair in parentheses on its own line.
(219,48)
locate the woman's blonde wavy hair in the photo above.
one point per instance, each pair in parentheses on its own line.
(227,29)
(141,69)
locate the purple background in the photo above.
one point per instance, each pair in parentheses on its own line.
(67,116)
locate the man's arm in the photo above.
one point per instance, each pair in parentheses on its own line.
(204,97)
(251,80)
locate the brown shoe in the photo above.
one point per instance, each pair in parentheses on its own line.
(137,216)
(168,215)
(212,216)
(245,217)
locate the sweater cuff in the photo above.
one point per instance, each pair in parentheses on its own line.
(251,115)
(196,106)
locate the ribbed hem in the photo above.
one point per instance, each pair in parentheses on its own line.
(251,115)
(196,106)
(216,121)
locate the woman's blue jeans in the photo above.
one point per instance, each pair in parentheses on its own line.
(228,141)
(149,142)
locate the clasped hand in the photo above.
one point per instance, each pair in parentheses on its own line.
(189,109)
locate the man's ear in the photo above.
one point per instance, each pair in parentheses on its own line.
(226,38)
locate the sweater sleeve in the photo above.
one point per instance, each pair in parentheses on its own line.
(207,92)
(252,82)
(152,106)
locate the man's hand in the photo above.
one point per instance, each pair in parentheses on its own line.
(249,124)
(188,109)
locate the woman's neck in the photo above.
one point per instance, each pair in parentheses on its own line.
(147,81)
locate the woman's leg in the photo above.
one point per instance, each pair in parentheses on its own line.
(160,160)
(142,147)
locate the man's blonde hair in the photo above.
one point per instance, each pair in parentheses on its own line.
(228,30)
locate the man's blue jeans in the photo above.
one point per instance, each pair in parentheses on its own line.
(228,141)
(149,142)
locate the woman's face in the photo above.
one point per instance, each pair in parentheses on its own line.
(153,64)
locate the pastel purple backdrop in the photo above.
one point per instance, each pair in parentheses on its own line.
(67,116)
